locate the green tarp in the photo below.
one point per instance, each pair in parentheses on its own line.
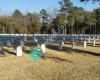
(35,54)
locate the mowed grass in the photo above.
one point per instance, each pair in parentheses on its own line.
(56,65)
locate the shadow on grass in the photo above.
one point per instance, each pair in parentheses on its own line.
(87,52)
(57,59)
(27,51)
(10,52)
(69,50)
(2,54)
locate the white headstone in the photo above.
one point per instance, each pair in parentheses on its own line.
(43,48)
(77,37)
(19,52)
(94,38)
(93,42)
(73,45)
(81,37)
(97,37)
(36,40)
(62,42)
(89,39)
(84,44)
(8,43)
(64,38)
(22,43)
(60,46)
(25,39)
(38,45)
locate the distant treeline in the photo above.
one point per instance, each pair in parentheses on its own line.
(66,20)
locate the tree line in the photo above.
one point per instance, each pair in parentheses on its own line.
(68,19)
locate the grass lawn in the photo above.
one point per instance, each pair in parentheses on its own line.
(56,65)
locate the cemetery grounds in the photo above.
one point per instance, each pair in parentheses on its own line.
(68,64)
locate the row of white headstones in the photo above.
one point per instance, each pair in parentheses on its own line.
(19,51)
(60,46)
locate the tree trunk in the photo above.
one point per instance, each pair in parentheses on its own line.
(72,30)
(65,29)
(95,28)
(90,29)
(76,28)
(3,29)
